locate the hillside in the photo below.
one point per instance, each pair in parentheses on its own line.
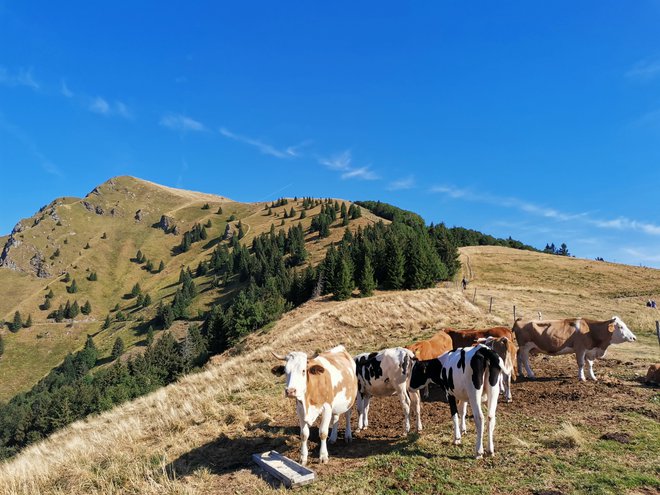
(195,436)
(101,233)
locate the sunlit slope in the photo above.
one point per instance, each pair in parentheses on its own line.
(196,436)
(101,234)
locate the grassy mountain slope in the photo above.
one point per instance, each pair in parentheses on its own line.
(197,435)
(116,220)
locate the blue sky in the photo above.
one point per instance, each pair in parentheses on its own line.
(539,120)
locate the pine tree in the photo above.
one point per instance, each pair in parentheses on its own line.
(93,277)
(73,288)
(59,314)
(203,235)
(147,301)
(138,256)
(74,310)
(345,282)
(292,213)
(219,212)
(206,206)
(303,214)
(149,266)
(208,224)
(104,236)
(161,266)
(136,290)
(367,283)
(117,348)
(395,271)
(46,305)
(116,308)
(107,322)
(28,322)
(87,246)
(150,335)
(86,308)
(67,278)
(50,294)
(167,317)
(139,301)
(17,323)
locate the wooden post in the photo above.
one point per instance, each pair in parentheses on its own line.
(474,297)
(514,312)
(490,306)
(657,330)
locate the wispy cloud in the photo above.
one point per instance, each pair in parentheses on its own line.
(642,255)
(644,70)
(64,89)
(265,148)
(23,77)
(401,184)
(103,107)
(621,223)
(183,123)
(343,162)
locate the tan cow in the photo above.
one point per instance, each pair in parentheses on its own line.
(324,385)
(585,338)
(507,350)
(431,348)
(466,338)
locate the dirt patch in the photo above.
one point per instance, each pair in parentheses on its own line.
(617,437)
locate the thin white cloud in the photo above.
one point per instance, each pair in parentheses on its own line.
(265,148)
(64,89)
(179,122)
(23,77)
(401,184)
(644,70)
(621,223)
(103,107)
(642,255)
(364,173)
(342,161)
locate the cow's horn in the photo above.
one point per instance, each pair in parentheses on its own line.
(281,358)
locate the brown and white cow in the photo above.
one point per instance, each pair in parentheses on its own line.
(466,338)
(431,348)
(324,385)
(587,339)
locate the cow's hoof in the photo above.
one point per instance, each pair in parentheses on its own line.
(348,439)
(490,454)
(464,431)
(324,460)
(509,400)
(479,456)
(457,442)
(332,440)
(303,461)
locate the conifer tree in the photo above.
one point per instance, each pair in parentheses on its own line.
(86,308)
(50,294)
(136,290)
(206,206)
(138,256)
(28,322)
(73,288)
(395,271)
(147,301)
(345,282)
(203,235)
(93,277)
(46,305)
(116,308)
(104,236)
(107,322)
(67,278)
(208,224)
(87,246)
(367,283)
(74,310)
(117,348)
(270,211)
(303,214)
(219,212)
(292,213)
(17,323)
(59,314)
(149,266)
(161,266)
(139,301)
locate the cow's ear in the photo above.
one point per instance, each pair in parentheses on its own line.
(277,370)
(317,369)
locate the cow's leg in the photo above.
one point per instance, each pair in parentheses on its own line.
(304,436)
(415,401)
(426,391)
(506,382)
(454,416)
(519,358)
(462,409)
(525,357)
(579,356)
(326,416)
(492,407)
(360,409)
(590,362)
(365,408)
(335,426)
(405,403)
(347,433)
(474,396)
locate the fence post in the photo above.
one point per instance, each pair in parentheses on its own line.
(657,330)
(514,312)
(490,306)
(474,297)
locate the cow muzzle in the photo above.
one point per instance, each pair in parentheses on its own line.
(290,393)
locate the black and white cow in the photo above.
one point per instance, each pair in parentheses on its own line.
(386,372)
(465,374)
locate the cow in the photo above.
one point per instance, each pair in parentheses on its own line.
(580,336)
(465,338)
(323,385)
(382,373)
(465,374)
(653,375)
(507,351)
(430,348)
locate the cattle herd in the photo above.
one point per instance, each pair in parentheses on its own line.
(468,366)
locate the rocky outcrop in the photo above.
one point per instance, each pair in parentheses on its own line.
(168,224)
(39,266)
(138,216)
(13,241)
(99,210)
(93,208)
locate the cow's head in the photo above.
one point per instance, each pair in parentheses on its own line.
(296,368)
(620,331)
